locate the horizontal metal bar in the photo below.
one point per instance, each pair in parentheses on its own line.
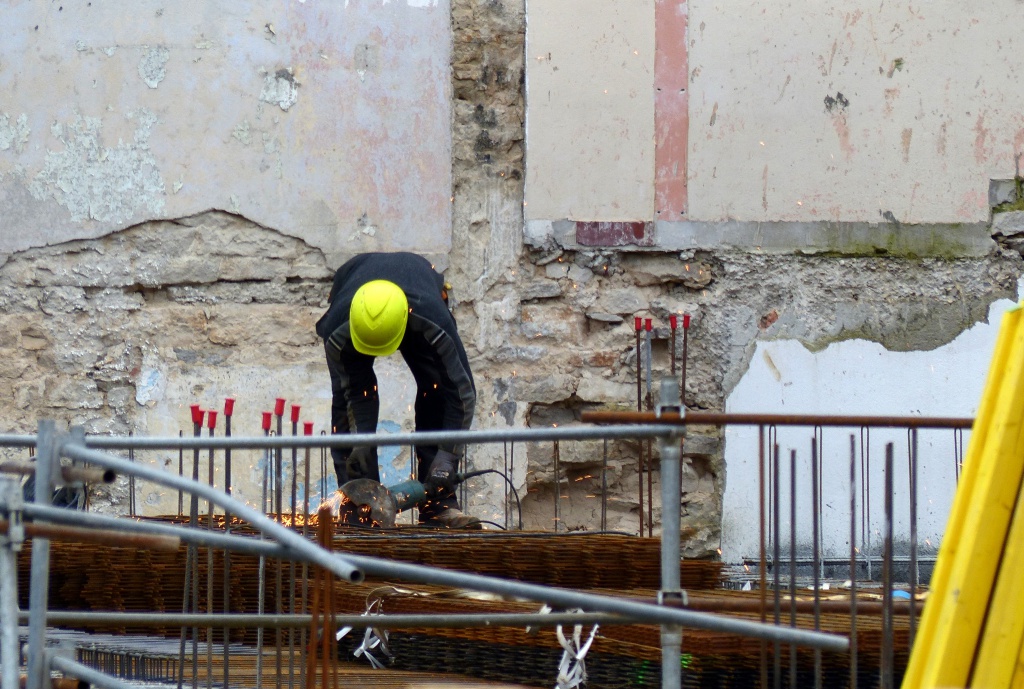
(397,621)
(340,565)
(643,612)
(382,439)
(698,418)
(202,537)
(74,534)
(68,474)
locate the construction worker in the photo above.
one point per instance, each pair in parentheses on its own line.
(381,303)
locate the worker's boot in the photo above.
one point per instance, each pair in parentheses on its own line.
(453,518)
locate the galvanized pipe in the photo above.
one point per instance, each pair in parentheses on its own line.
(74,475)
(47,455)
(732,419)
(340,565)
(641,612)
(71,534)
(10,503)
(671,591)
(392,621)
(616,432)
(199,537)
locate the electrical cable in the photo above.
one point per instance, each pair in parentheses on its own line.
(480,472)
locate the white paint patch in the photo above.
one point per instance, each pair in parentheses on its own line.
(95,182)
(152,67)
(14,134)
(280,89)
(854,378)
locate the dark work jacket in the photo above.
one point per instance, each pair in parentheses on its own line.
(445,395)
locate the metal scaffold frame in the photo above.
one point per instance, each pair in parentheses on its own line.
(666,426)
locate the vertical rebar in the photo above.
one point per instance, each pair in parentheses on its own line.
(762,559)
(181,472)
(792,564)
(504,485)
(604,486)
(815,528)
(637,326)
(853,562)
(777,603)
(211,416)
(887,576)
(229,408)
(131,482)
(307,431)
(865,486)
(682,385)
(193,520)
(819,434)
(558,486)
(291,563)
(279,569)
(262,586)
(914,574)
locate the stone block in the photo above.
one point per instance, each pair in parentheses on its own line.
(1008,224)
(73,394)
(622,301)
(593,388)
(555,321)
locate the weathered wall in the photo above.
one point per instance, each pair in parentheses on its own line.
(326,121)
(798,112)
(120,325)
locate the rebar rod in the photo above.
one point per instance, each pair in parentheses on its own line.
(853,562)
(85,673)
(792,564)
(71,534)
(815,496)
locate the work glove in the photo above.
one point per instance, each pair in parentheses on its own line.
(441,475)
(362,463)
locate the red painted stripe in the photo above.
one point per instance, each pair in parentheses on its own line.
(671,108)
(614,233)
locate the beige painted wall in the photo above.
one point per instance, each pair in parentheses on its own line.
(330,122)
(590,116)
(934,109)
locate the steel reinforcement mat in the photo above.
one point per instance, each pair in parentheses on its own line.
(125,579)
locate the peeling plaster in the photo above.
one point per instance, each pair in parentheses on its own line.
(95,182)
(280,89)
(14,134)
(152,66)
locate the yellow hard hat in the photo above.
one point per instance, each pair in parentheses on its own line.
(377,318)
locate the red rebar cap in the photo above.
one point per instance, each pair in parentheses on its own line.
(647,324)
(279,406)
(672,321)
(686,320)
(197,414)
(295,413)
(229,406)
(637,323)
(266,420)
(211,419)
(307,428)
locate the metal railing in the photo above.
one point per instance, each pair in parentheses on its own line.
(671,613)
